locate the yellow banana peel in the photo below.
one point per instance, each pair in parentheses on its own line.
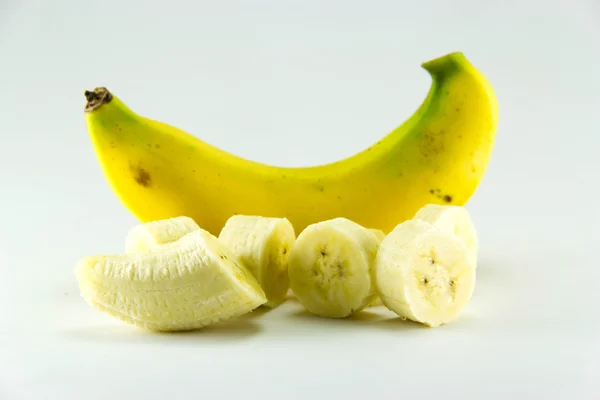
(439,155)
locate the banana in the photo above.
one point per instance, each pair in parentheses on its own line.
(438,155)
(261,244)
(330,269)
(187,284)
(380,235)
(452,219)
(152,234)
(264,246)
(423,273)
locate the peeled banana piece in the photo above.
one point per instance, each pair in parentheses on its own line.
(424,273)
(189,283)
(379,233)
(331,268)
(264,246)
(455,220)
(155,233)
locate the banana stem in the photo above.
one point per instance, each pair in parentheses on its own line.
(96,98)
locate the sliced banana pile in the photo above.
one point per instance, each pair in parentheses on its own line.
(176,276)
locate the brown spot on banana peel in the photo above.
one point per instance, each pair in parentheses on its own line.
(432,143)
(140,175)
(320,187)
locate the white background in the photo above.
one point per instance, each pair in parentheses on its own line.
(301,83)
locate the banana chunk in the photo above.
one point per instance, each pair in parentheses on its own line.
(190,283)
(331,270)
(424,274)
(380,236)
(452,219)
(264,246)
(379,233)
(156,233)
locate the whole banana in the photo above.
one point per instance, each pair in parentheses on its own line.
(439,155)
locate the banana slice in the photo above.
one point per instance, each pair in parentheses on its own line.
(380,236)
(264,246)
(424,273)
(152,234)
(379,233)
(190,283)
(331,268)
(452,219)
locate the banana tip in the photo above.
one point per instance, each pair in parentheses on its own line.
(95,98)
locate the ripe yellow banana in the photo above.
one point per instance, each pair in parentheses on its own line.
(439,155)
(186,284)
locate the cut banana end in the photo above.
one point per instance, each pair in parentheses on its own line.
(156,233)
(264,246)
(424,273)
(330,269)
(190,283)
(452,219)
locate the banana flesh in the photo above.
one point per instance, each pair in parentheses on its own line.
(380,236)
(452,219)
(155,233)
(379,233)
(424,273)
(331,270)
(186,284)
(264,246)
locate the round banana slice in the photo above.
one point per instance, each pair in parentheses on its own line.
(331,270)
(264,246)
(423,273)
(190,283)
(452,219)
(156,233)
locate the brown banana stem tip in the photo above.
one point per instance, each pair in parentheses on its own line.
(96,98)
